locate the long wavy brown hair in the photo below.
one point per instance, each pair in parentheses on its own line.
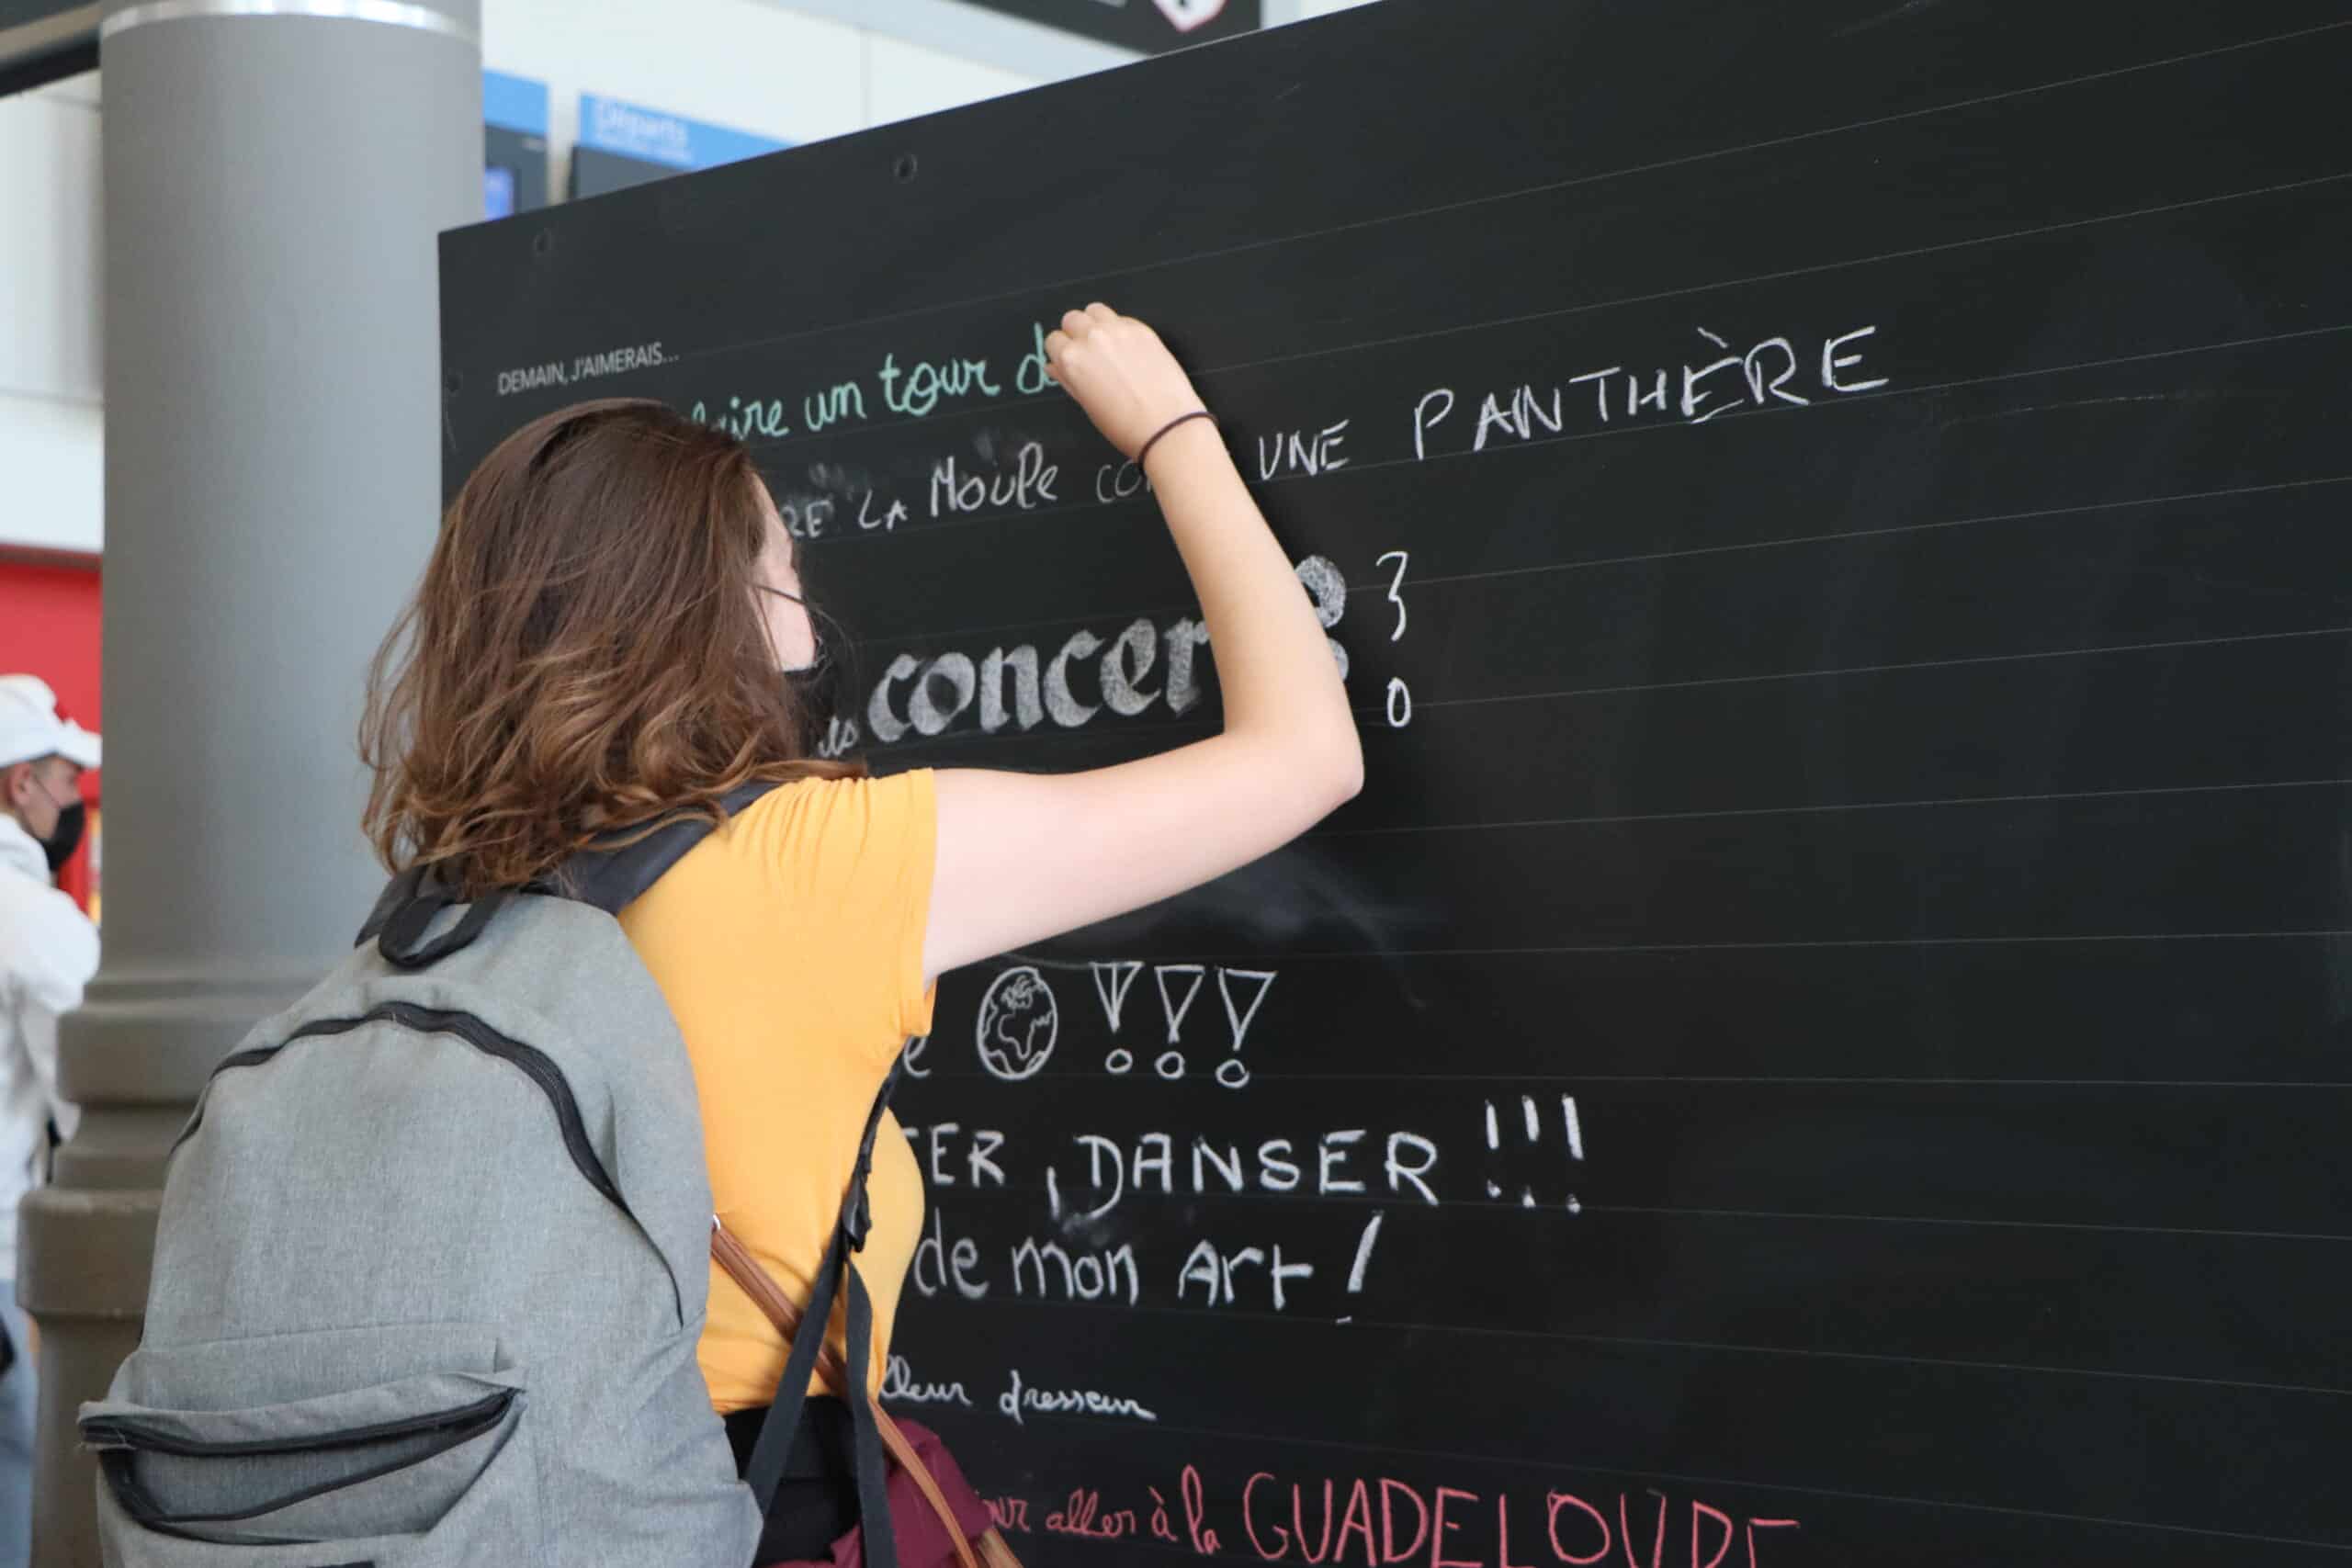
(585,655)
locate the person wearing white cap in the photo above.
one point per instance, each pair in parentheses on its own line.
(48,950)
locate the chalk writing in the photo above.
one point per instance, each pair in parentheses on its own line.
(1720,380)
(1366,1520)
(1531,1121)
(1017,1025)
(955,491)
(1021,1401)
(951,689)
(900,1383)
(1116,481)
(889,519)
(1382,1522)
(1115,1171)
(1396,589)
(1204,1540)
(1255,984)
(744,420)
(1087,1276)
(1363,1255)
(1218,1272)
(844,400)
(840,738)
(1297,452)
(1083,1515)
(926,383)
(980,1166)
(1112,982)
(1175,1002)
(940,1264)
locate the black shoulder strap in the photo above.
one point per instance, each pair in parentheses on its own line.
(605,878)
(773,1452)
(611,879)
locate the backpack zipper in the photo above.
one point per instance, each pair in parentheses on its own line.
(131,1433)
(535,1065)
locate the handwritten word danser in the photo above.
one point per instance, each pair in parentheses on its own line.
(1150,1164)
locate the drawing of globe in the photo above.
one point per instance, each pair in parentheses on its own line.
(1018,1023)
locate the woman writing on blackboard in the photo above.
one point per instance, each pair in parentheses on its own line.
(612,629)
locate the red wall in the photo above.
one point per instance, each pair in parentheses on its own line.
(48,628)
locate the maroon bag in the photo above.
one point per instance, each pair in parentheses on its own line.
(924,1534)
(935,1517)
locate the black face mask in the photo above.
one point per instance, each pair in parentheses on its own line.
(819,689)
(66,837)
(817,686)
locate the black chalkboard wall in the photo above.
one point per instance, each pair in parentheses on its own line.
(1823,1040)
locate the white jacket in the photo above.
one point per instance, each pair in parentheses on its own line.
(48,950)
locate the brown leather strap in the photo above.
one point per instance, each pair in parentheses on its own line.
(768,1296)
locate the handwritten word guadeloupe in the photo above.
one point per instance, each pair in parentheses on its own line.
(1380,1522)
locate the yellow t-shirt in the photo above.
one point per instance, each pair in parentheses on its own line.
(789,945)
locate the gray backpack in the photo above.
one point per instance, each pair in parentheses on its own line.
(432,1263)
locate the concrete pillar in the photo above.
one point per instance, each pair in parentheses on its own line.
(276,172)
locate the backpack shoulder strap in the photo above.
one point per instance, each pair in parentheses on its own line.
(607,878)
(611,879)
(773,1451)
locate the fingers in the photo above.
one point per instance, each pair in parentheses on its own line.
(1078,326)
(1077,323)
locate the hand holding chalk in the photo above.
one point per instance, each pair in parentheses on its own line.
(1121,374)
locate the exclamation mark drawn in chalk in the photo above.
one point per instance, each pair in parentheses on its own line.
(1494,1147)
(1364,1259)
(1112,982)
(1233,1072)
(1576,1141)
(1534,1132)
(1531,1127)
(1171,1064)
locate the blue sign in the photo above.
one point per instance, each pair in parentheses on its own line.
(514,103)
(514,144)
(608,125)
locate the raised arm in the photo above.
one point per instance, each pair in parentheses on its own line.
(1023,856)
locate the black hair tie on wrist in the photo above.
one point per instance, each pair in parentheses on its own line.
(1196,414)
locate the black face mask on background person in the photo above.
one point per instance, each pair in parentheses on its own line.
(66,837)
(62,839)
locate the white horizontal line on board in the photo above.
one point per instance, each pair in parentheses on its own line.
(1517,1461)
(1519,193)
(1820,944)
(1647,1342)
(964,738)
(928,637)
(2168,644)
(1750,1080)
(1507,1205)
(916,533)
(1831,807)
